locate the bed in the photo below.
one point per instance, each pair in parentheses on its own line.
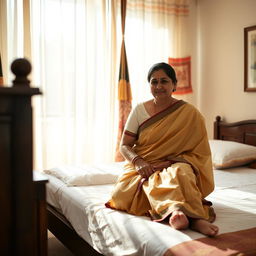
(78,218)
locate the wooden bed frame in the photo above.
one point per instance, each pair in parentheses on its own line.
(243,132)
(62,229)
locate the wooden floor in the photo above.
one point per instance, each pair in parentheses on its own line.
(56,248)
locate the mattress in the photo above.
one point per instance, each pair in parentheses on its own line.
(112,232)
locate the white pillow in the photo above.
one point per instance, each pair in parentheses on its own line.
(227,154)
(86,175)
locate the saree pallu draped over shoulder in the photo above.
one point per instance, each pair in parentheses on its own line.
(177,134)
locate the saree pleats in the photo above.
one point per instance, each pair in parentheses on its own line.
(177,134)
(172,189)
(128,196)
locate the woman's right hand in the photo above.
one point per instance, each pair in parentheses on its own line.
(143,168)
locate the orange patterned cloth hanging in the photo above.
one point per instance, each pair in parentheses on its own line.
(182,67)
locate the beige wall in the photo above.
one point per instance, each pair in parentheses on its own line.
(219,71)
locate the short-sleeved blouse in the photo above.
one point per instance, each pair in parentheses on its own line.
(137,116)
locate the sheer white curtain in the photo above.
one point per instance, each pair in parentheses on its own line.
(74,59)
(11,35)
(3,41)
(155,31)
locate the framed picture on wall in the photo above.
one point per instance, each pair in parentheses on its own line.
(250,59)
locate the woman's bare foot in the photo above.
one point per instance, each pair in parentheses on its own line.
(178,220)
(204,227)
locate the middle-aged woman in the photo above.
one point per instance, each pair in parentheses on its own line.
(169,170)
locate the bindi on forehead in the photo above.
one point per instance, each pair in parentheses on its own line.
(159,78)
(159,74)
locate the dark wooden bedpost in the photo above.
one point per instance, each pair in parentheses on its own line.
(21,68)
(16,158)
(216,131)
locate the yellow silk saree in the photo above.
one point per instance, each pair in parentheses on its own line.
(177,134)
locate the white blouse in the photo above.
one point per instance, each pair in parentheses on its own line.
(137,116)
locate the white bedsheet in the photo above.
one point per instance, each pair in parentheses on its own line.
(117,233)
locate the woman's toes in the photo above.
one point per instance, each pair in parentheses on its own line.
(178,220)
(204,227)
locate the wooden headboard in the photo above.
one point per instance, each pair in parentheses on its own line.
(243,131)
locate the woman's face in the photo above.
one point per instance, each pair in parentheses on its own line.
(161,85)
